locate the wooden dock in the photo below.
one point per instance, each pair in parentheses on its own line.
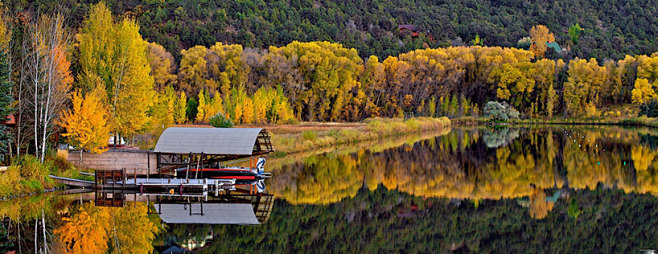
(121,180)
(73,182)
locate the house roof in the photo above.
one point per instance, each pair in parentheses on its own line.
(409,27)
(10,120)
(213,213)
(214,141)
(554,45)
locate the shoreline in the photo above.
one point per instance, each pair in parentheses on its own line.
(292,139)
(623,122)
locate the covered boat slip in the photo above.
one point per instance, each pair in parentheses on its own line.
(241,214)
(193,151)
(194,148)
(229,207)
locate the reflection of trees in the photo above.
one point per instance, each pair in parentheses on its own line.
(93,229)
(461,165)
(499,137)
(371,222)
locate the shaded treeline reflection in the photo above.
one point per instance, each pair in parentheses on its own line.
(609,220)
(480,164)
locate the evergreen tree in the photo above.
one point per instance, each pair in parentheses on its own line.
(5,103)
(191,110)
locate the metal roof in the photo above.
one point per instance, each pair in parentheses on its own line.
(213,213)
(212,141)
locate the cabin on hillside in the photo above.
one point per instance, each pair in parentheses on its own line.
(408,29)
(413,31)
(10,121)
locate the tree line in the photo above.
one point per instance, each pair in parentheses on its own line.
(61,77)
(602,29)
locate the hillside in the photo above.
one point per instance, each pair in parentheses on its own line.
(611,28)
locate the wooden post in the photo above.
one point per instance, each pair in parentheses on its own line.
(196,174)
(148,164)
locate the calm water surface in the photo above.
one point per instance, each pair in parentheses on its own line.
(550,189)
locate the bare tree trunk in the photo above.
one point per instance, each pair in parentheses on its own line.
(36,222)
(46,41)
(43,224)
(35,81)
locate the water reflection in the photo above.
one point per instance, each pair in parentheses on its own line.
(478,164)
(557,189)
(118,221)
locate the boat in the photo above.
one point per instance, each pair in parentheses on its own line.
(241,175)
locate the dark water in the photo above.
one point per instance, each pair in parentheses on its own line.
(558,189)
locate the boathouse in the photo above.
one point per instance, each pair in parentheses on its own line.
(194,147)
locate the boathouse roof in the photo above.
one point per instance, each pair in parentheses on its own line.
(211,213)
(214,141)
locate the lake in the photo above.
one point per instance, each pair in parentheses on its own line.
(549,189)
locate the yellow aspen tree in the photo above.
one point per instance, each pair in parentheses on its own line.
(86,122)
(179,108)
(238,110)
(261,104)
(132,90)
(115,54)
(201,113)
(162,65)
(540,35)
(247,110)
(215,105)
(193,71)
(643,91)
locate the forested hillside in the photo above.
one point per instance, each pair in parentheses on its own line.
(610,28)
(137,72)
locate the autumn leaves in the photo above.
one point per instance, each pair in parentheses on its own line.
(144,90)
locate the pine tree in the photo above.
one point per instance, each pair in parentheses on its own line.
(191,109)
(5,102)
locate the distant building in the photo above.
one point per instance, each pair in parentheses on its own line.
(10,122)
(408,28)
(554,46)
(413,31)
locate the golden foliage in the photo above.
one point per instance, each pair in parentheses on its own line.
(98,229)
(86,123)
(86,231)
(540,35)
(643,91)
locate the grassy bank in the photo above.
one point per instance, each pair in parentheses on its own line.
(310,136)
(28,175)
(374,146)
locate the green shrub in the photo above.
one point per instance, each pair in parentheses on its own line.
(349,136)
(32,185)
(500,111)
(221,121)
(32,168)
(60,164)
(310,135)
(573,211)
(332,133)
